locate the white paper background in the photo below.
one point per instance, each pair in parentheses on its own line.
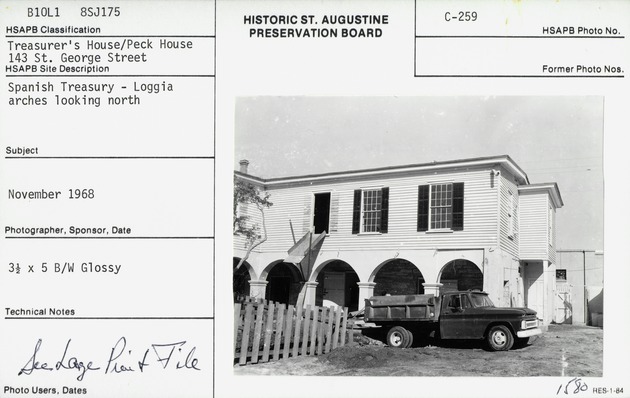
(247,67)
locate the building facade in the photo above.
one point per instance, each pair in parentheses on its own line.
(339,238)
(580,287)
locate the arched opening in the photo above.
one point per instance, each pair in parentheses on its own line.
(240,278)
(337,286)
(398,276)
(284,283)
(461,275)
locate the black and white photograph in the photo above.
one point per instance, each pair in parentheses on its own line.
(419,236)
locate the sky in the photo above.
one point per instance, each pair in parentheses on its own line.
(553,139)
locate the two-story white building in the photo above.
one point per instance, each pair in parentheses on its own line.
(338,238)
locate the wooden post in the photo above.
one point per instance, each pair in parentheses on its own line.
(307,320)
(257,332)
(351,333)
(320,334)
(329,329)
(279,327)
(313,342)
(268,332)
(335,341)
(237,323)
(249,313)
(287,332)
(343,327)
(296,337)
(292,232)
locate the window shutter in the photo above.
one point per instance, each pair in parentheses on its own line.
(334,212)
(356,212)
(423,208)
(458,206)
(384,209)
(307,215)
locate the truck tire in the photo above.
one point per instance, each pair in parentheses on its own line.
(499,338)
(409,338)
(397,337)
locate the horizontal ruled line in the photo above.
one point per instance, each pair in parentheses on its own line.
(109,237)
(113,36)
(533,76)
(111,157)
(67,76)
(517,37)
(114,317)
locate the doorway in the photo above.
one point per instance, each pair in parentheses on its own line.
(337,286)
(461,275)
(321,212)
(334,289)
(535,296)
(279,289)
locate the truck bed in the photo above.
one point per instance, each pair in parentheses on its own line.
(412,307)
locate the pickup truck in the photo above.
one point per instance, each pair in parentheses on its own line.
(457,315)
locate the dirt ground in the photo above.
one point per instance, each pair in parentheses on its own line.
(563,350)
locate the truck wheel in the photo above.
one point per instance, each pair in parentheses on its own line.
(397,337)
(409,339)
(499,338)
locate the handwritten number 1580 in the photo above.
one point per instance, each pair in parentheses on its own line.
(579,386)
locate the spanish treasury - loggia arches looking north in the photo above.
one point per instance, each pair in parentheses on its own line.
(337,238)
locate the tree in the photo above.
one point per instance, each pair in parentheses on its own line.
(246,193)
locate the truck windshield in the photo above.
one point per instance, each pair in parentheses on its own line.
(481,300)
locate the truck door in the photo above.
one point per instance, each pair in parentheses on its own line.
(456,321)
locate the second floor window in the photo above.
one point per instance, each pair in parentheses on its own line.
(371,214)
(371,208)
(511,216)
(441,207)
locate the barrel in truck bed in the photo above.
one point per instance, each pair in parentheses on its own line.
(412,307)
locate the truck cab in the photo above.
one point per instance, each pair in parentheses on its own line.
(472,315)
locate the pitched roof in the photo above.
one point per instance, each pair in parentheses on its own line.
(503,160)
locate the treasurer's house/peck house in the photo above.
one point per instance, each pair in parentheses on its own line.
(422,228)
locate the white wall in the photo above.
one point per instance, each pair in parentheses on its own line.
(580,264)
(533,240)
(294,203)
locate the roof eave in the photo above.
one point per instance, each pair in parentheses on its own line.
(551,188)
(504,160)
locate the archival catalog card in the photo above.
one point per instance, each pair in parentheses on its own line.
(314,198)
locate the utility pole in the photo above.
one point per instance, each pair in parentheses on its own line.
(585,297)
